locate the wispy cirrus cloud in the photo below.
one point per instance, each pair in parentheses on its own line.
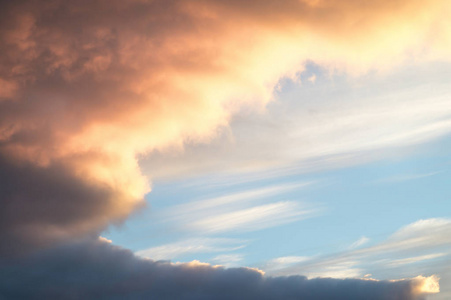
(192,246)
(361,241)
(406,177)
(228,260)
(234,199)
(253,218)
(423,241)
(242,211)
(411,260)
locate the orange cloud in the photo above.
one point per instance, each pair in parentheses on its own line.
(89,86)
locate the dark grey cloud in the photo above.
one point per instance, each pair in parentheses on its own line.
(41,205)
(98,270)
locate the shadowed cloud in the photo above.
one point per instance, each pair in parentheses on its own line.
(98,270)
(42,205)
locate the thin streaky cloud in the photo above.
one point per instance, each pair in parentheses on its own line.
(411,260)
(254,218)
(361,241)
(191,246)
(406,177)
(284,262)
(414,243)
(241,197)
(243,211)
(228,260)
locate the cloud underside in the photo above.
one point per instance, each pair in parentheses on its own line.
(98,270)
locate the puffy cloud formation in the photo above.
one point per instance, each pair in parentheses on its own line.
(98,270)
(89,86)
(41,206)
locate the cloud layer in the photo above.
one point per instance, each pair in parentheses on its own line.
(98,270)
(414,248)
(87,87)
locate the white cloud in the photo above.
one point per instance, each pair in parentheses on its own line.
(425,240)
(359,242)
(290,259)
(406,177)
(435,228)
(191,246)
(342,270)
(284,262)
(325,125)
(410,260)
(246,210)
(105,240)
(228,260)
(229,200)
(253,218)
(312,78)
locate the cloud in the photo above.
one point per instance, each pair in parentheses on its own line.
(312,78)
(339,122)
(413,249)
(415,259)
(91,87)
(98,270)
(406,177)
(253,218)
(283,262)
(46,205)
(228,260)
(359,242)
(229,200)
(191,246)
(238,212)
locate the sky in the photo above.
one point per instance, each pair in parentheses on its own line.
(239,149)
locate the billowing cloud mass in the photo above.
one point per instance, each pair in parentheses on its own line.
(88,87)
(98,270)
